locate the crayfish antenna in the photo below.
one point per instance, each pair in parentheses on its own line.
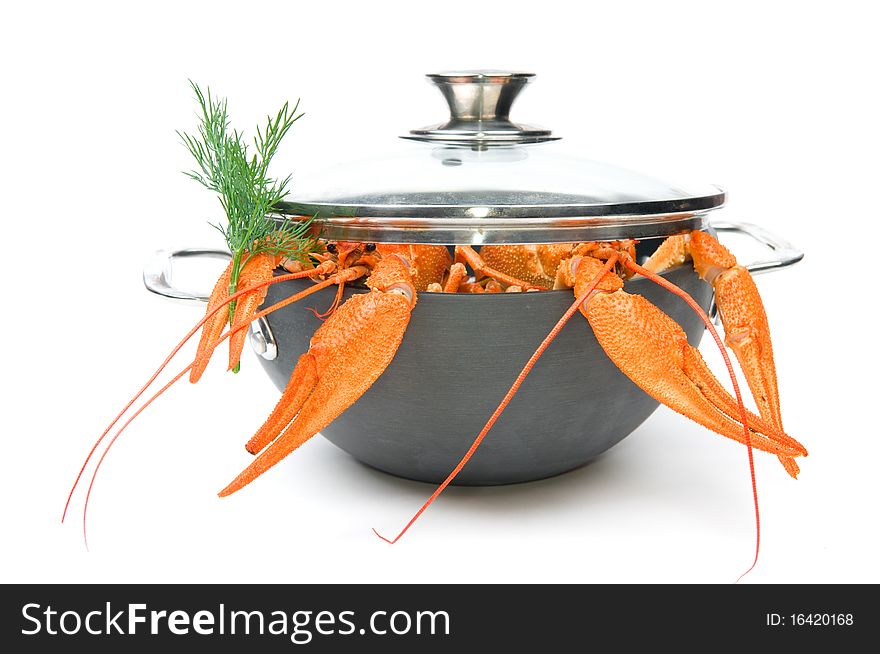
(352,273)
(347,275)
(208,316)
(223,337)
(175,379)
(635,267)
(333,306)
(609,265)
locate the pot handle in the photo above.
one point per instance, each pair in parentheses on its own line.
(786,253)
(157,279)
(157,273)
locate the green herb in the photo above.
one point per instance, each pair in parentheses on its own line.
(247,193)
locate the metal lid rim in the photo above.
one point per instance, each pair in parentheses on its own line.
(480,212)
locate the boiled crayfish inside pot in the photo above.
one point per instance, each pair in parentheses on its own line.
(476,226)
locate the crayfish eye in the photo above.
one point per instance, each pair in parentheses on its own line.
(370,247)
(331,248)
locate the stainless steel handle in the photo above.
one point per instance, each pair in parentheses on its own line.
(786,253)
(157,273)
(158,280)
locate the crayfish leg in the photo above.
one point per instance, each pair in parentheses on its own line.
(457,275)
(520,259)
(673,251)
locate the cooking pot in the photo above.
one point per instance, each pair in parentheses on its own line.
(476,179)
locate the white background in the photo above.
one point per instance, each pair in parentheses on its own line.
(774,101)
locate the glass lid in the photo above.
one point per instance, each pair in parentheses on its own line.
(481,178)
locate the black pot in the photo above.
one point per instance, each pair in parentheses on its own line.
(460,354)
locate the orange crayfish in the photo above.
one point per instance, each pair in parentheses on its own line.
(647,346)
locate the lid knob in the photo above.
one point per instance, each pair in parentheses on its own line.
(479,107)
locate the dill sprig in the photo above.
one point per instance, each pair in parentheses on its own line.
(246,191)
